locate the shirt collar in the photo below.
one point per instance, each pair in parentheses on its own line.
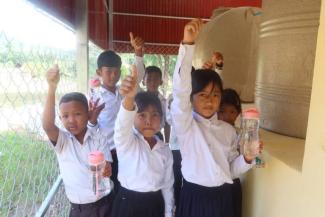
(104,90)
(157,145)
(87,135)
(199,118)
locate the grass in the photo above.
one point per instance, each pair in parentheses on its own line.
(28,168)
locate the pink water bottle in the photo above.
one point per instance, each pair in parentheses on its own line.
(94,84)
(97,163)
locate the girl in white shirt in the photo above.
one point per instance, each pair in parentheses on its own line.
(145,162)
(230,109)
(210,159)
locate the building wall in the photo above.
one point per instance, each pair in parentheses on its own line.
(291,185)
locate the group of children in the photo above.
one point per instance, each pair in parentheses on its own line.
(124,123)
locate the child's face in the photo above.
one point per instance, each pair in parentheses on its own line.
(109,75)
(207,101)
(152,81)
(228,113)
(147,122)
(74,117)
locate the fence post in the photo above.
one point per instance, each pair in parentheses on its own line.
(50,196)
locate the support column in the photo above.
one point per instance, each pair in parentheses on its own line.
(82,44)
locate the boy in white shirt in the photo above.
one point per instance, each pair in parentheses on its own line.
(145,162)
(72,147)
(152,80)
(109,70)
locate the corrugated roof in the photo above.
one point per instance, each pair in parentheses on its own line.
(159,22)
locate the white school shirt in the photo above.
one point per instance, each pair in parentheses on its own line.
(173,141)
(163,107)
(73,163)
(107,116)
(208,146)
(141,168)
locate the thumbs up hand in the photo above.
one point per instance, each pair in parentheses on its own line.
(53,76)
(137,44)
(128,86)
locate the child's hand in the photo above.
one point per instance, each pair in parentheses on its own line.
(137,44)
(94,111)
(191,31)
(259,149)
(208,65)
(107,170)
(128,86)
(53,76)
(217,59)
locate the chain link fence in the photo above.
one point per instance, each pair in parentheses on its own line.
(28,166)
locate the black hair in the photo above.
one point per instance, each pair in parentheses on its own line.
(153,69)
(109,58)
(202,77)
(75,96)
(145,99)
(230,97)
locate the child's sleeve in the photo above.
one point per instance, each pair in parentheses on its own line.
(140,68)
(123,131)
(62,141)
(238,165)
(168,190)
(104,144)
(181,108)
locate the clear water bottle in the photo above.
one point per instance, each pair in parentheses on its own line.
(97,163)
(249,140)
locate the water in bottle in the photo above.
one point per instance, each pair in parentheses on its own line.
(249,135)
(97,163)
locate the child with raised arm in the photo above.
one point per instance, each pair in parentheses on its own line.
(72,146)
(210,158)
(145,162)
(152,80)
(109,70)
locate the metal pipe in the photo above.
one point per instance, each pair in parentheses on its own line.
(110,24)
(148,43)
(49,198)
(158,16)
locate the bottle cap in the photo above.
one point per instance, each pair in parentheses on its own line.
(251,113)
(95,157)
(94,82)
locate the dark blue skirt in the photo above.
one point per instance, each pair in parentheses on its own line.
(129,203)
(177,175)
(237,198)
(201,201)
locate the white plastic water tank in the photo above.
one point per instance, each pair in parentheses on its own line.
(233,32)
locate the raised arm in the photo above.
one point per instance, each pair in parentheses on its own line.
(138,46)
(48,119)
(125,118)
(181,108)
